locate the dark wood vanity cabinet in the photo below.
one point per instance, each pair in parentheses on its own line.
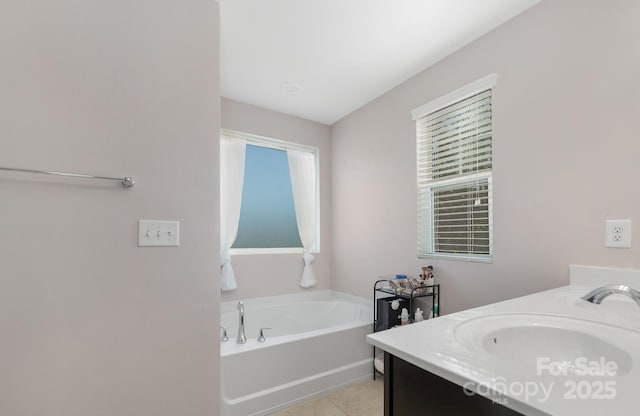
(412,391)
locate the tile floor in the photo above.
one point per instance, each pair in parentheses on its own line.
(362,399)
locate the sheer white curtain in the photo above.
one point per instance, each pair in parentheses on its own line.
(232,155)
(302,168)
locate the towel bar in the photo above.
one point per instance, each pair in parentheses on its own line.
(127,182)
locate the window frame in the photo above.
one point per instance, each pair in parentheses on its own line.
(426,236)
(262,141)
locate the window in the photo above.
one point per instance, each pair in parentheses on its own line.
(268,221)
(269,202)
(454,155)
(267,214)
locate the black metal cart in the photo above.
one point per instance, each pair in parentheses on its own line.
(385,318)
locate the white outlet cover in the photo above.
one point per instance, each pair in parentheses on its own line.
(154,233)
(617,233)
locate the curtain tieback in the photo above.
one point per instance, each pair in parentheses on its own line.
(225,258)
(308,258)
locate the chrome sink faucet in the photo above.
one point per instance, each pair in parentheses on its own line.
(598,295)
(242,338)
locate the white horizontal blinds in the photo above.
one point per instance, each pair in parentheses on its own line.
(454,178)
(456,141)
(461,218)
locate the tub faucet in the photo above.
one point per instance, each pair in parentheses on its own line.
(242,338)
(597,295)
(224,337)
(261,337)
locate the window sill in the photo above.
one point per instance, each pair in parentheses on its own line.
(437,256)
(258,251)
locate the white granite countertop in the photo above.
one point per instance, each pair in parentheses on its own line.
(445,346)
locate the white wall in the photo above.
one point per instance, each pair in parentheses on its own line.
(276,274)
(565,156)
(90,323)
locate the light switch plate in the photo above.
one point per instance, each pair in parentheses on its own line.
(152,233)
(617,233)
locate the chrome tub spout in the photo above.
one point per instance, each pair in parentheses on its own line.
(242,338)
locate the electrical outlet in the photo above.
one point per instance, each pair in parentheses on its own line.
(617,233)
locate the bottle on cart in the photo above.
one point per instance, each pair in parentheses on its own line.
(418,316)
(434,310)
(404,317)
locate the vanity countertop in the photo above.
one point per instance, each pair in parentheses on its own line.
(442,347)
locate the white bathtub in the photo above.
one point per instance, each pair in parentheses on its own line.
(317,344)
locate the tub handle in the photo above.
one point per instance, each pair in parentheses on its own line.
(224,337)
(261,337)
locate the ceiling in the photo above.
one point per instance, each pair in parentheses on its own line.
(323,59)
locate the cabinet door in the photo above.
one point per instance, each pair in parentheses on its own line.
(412,391)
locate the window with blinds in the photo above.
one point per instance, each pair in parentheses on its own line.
(454,179)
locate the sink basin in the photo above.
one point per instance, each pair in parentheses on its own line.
(553,344)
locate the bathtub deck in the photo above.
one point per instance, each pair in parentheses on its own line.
(362,399)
